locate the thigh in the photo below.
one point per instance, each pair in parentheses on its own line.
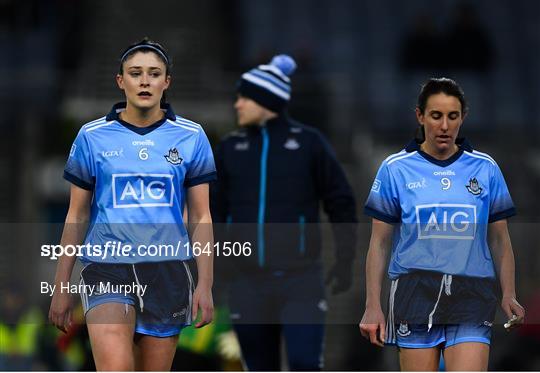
(464,333)
(468,356)
(154,353)
(101,284)
(111,329)
(260,344)
(419,359)
(304,346)
(165,297)
(413,299)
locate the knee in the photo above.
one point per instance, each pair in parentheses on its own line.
(119,363)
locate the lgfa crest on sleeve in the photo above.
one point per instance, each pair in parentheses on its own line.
(474,187)
(173,157)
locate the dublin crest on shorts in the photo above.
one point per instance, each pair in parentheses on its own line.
(403,330)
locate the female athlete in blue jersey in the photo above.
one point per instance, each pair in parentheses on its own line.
(132,173)
(442,208)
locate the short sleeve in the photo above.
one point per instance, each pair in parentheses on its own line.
(202,168)
(383,200)
(501,205)
(79,169)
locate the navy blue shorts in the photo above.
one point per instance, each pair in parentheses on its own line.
(428,309)
(160,292)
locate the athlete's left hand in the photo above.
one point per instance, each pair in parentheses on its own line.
(340,276)
(202,299)
(511,307)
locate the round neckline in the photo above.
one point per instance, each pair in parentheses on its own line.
(441,162)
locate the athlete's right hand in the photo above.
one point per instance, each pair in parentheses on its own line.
(60,311)
(373,326)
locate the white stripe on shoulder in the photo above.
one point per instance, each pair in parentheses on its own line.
(394,155)
(187,122)
(402,157)
(94,122)
(182,126)
(99,126)
(481,157)
(484,154)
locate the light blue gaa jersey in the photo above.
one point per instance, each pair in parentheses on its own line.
(139,177)
(441,208)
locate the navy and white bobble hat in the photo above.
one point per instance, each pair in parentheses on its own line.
(269,85)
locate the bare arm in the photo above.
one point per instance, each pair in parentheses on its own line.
(200,228)
(379,245)
(74,230)
(503,258)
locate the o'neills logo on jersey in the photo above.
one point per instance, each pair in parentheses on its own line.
(142,190)
(143,143)
(446,221)
(444,173)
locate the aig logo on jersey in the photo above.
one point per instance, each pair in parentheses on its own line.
(446,221)
(142,190)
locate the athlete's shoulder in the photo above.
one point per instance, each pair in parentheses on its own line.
(96,124)
(405,155)
(480,157)
(396,159)
(184,124)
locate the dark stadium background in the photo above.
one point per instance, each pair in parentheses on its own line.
(360,65)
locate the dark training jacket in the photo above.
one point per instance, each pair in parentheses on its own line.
(271,180)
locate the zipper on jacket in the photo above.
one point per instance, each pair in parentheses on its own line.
(262,195)
(302,223)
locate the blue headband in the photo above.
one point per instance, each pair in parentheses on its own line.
(145,46)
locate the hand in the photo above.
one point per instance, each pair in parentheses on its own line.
(340,276)
(60,311)
(511,307)
(372,322)
(202,298)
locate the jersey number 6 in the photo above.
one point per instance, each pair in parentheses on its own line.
(143,154)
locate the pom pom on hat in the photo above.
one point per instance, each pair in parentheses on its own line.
(284,63)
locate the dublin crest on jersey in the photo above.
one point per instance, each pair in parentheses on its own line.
(173,157)
(473,186)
